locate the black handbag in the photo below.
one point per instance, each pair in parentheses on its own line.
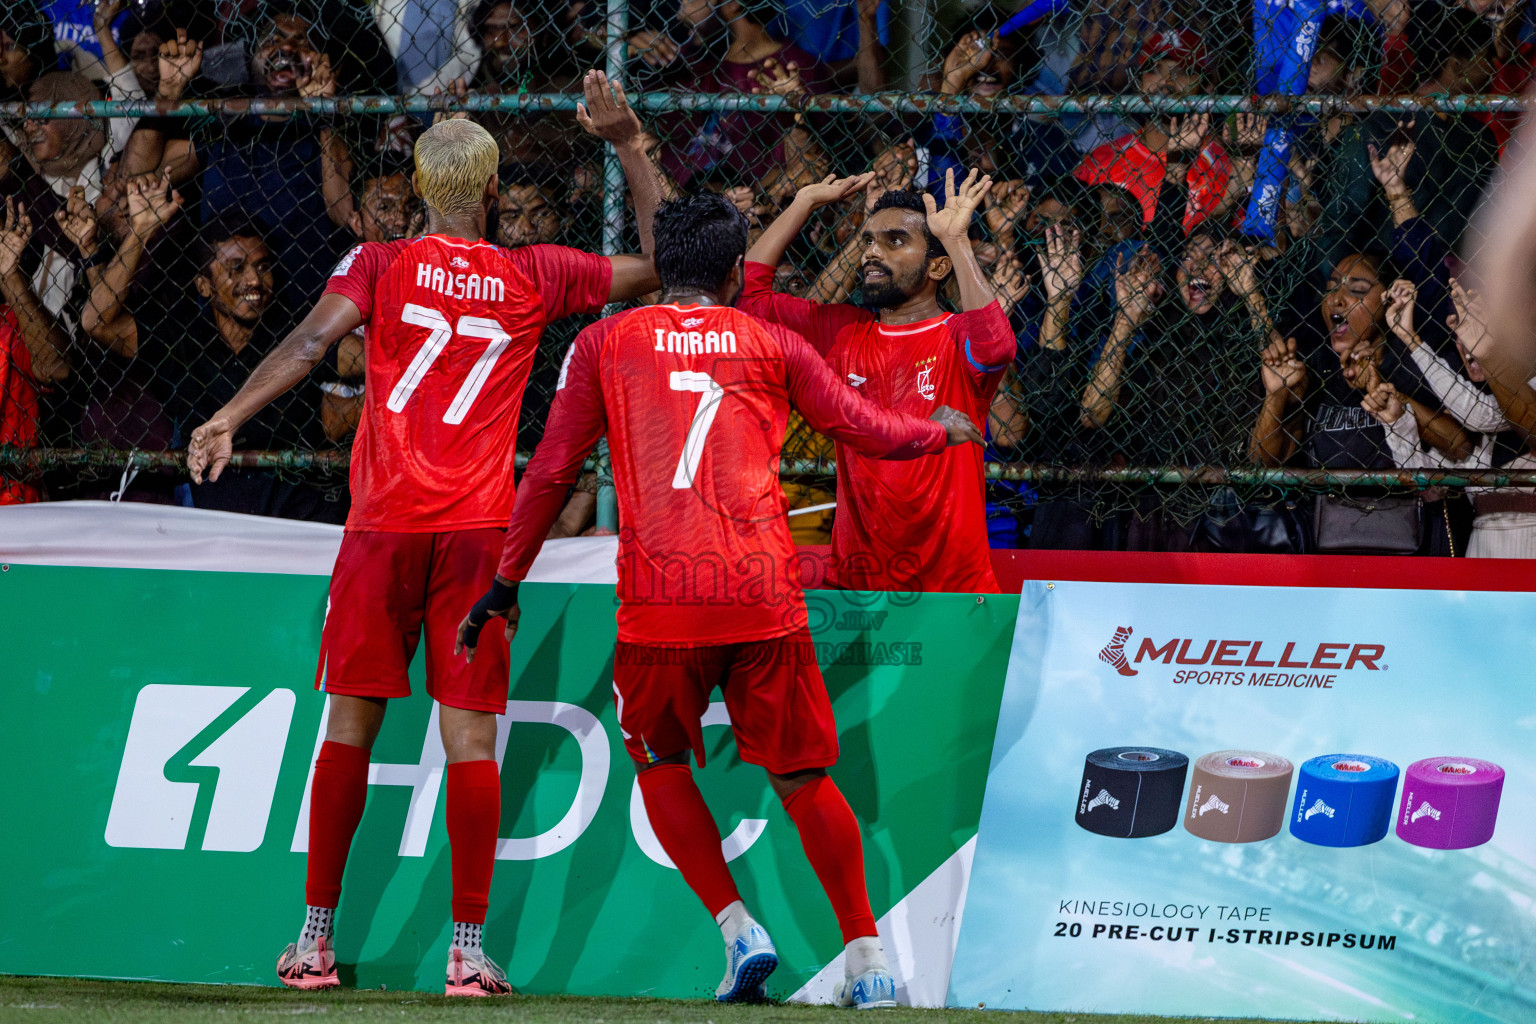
(1232,526)
(1368,526)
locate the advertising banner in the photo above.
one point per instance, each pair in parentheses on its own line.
(1260,801)
(159,728)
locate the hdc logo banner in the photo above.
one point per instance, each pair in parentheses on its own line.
(160,763)
(1260,802)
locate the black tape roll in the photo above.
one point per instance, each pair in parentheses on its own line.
(1131,792)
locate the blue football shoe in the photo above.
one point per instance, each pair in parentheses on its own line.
(748,962)
(873,990)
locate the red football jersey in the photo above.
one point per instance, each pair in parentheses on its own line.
(694,400)
(905,526)
(452,330)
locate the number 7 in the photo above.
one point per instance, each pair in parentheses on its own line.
(710,395)
(437,340)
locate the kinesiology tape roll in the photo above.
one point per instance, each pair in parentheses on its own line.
(1130,792)
(1449,803)
(1344,800)
(1238,796)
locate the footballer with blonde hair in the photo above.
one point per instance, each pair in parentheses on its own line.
(452,325)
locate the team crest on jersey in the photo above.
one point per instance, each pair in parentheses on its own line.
(924,369)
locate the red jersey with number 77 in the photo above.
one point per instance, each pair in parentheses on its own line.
(452,329)
(694,400)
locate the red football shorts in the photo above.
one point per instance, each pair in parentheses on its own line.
(779,709)
(384,589)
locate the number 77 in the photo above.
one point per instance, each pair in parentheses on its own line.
(437,340)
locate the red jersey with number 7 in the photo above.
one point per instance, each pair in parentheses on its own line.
(694,400)
(452,329)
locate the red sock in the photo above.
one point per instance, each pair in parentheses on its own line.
(474,820)
(336,798)
(687,831)
(830,834)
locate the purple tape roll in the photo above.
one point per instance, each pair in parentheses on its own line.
(1449,803)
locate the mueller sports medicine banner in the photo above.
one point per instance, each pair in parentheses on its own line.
(1260,801)
(159,727)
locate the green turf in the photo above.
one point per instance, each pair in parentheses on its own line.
(46,1000)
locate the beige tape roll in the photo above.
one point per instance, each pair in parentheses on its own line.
(1238,796)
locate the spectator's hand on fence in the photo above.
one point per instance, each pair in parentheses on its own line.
(180,61)
(831,189)
(779,79)
(1400,301)
(1248,130)
(958,427)
(655,48)
(952,224)
(1281,369)
(211,448)
(1391,14)
(1237,269)
(1391,168)
(1009,281)
(77,220)
(105,14)
(605,111)
(742,197)
(458,92)
(320,83)
(1061,262)
(1138,285)
(500,602)
(1005,205)
(971,54)
(1469,322)
(1382,401)
(152,203)
(15,233)
(1187,134)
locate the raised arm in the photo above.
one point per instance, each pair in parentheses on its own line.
(212,444)
(1061,272)
(46,342)
(776,237)
(1284,375)
(951,226)
(1137,292)
(605,113)
(152,204)
(838,411)
(576,421)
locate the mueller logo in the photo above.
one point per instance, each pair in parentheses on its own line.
(1213,804)
(1424,811)
(1294,654)
(1317,808)
(1104,800)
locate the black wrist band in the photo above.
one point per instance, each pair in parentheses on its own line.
(495,601)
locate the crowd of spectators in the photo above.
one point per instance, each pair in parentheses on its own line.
(146,265)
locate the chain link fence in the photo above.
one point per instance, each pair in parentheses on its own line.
(1227,237)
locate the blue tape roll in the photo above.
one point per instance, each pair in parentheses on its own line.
(1344,800)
